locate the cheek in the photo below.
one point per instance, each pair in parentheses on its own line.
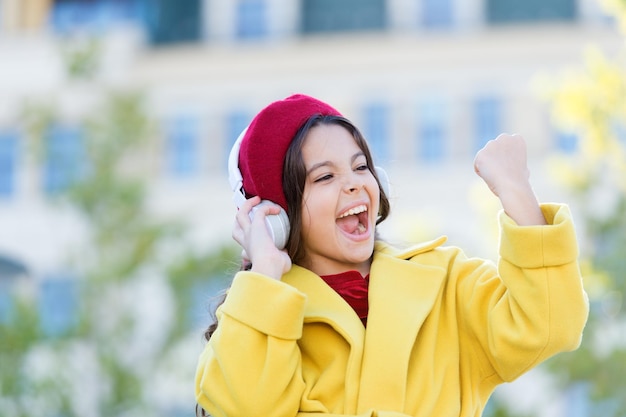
(312,228)
(315,213)
(307,216)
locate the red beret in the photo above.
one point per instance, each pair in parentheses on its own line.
(263,148)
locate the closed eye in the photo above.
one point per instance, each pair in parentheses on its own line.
(363,167)
(324,178)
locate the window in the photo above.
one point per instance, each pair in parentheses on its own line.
(164,21)
(251,19)
(58,305)
(487,119)
(437,13)
(375,129)
(63,158)
(173,21)
(506,11)
(8,163)
(182,146)
(236,122)
(345,15)
(69,15)
(432,131)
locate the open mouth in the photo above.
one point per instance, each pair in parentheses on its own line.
(354,221)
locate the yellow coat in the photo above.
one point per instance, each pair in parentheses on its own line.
(443,331)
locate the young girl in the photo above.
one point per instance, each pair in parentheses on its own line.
(341,324)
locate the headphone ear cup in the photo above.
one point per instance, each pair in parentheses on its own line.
(384,180)
(277,225)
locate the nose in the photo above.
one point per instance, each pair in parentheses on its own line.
(353,183)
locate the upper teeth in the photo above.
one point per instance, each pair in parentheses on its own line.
(354,210)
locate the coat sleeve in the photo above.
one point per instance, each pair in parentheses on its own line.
(252,365)
(533,305)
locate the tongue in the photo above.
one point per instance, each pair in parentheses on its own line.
(348,224)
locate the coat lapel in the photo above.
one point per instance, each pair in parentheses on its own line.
(402,294)
(324,304)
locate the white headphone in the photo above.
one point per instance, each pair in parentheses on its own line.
(278,224)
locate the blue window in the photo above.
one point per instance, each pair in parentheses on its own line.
(432,132)
(182,146)
(164,21)
(8,163)
(376,131)
(566,142)
(487,119)
(236,122)
(170,21)
(437,13)
(58,305)
(345,15)
(95,15)
(251,19)
(64,158)
(506,11)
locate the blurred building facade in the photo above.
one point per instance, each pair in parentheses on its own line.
(427,81)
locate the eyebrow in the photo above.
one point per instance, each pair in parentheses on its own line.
(329,163)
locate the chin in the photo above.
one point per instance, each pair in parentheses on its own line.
(363,252)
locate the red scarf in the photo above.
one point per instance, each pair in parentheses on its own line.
(353,288)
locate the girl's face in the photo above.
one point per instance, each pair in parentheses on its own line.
(340,202)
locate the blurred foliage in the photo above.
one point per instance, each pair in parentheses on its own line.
(591,103)
(82,57)
(138,281)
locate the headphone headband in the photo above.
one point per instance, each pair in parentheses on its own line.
(234,175)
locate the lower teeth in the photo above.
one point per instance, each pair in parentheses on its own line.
(361,228)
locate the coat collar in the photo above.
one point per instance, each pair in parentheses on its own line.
(409,252)
(401,296)
(326,305)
